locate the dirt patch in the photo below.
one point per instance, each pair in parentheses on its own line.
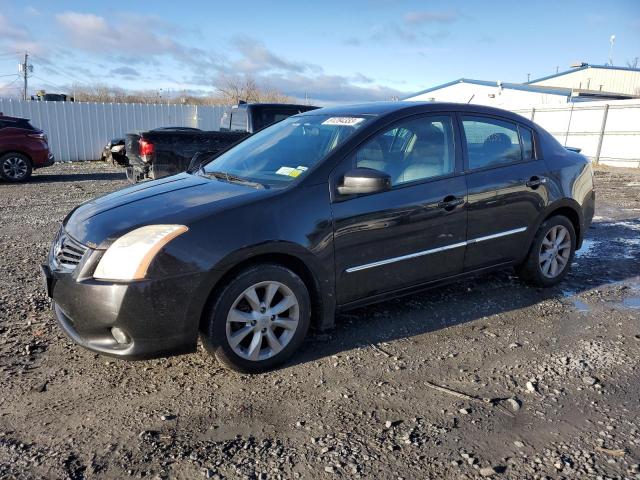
(354,403)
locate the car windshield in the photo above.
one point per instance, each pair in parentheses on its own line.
(285,151)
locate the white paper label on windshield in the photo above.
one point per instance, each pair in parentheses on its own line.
(285,171)
(343,121)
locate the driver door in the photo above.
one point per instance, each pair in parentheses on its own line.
(416,231)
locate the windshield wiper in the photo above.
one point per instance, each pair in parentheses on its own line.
(229,177)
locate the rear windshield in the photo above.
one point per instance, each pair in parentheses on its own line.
(285,151)
(17,123)
(269,115)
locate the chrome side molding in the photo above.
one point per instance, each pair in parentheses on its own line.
(434,250)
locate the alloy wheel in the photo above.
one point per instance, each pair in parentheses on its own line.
(262,320)
(15,168)
(555,251)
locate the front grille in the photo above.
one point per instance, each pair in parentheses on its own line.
(67,253)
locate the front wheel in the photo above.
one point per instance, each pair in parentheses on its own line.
(551,253)
(258,319)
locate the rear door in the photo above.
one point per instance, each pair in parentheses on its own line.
(413,233)
(507,189)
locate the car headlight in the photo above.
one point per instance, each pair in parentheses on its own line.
(129,257)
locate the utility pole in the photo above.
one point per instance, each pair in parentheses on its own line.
(528,77)
(25,68)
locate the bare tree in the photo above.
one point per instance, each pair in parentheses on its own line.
(230,91)
(245,88)
(633,63)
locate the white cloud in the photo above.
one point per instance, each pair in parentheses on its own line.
(30,10)
(9,30)
(130,40)
(425,17)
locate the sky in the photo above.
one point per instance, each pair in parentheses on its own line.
(329,52)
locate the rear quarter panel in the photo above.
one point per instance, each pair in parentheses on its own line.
(570,181)
(16,140)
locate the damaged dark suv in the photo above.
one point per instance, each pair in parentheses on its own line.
(326,210)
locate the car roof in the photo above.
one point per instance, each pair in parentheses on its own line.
(12,119)
(272,105)
(380,109)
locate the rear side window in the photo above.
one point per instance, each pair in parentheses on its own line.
(526,137)
(268,117)
(491,142)
(239,120)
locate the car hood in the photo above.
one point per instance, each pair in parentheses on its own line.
(181,199)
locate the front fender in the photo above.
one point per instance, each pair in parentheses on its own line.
(276,251)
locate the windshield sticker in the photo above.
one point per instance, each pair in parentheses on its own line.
(343,121)
(284,171)
(291,172)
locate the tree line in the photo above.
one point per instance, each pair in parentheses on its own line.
(230,91)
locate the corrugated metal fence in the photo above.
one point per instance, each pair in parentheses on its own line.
(607,132)
(79,131)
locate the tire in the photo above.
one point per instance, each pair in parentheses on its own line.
(540,272)
(15,167)
(232,317)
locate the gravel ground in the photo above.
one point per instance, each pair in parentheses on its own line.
(559,370)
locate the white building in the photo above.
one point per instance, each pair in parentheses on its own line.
(497,94)
(595,78)
(595,108)
(583,83)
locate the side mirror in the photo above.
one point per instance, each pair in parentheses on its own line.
(364,180)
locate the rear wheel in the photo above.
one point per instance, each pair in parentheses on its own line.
(15,167)
(259,319)
(551,253)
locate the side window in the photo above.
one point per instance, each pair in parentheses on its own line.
(491,142)
(526,137)
(239,120)
(225,122)
(411,150)
(269,117)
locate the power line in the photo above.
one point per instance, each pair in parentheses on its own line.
(11,83)
(58,70)
(46,82)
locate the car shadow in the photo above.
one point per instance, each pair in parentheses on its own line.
(470,300)
(77,177)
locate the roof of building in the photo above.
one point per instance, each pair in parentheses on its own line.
(583,67)
(487,83)
(527,87)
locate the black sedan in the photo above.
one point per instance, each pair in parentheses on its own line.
(326,210)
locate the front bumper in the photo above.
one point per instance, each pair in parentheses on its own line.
(153,314)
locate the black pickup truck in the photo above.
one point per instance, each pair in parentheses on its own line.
(166,151)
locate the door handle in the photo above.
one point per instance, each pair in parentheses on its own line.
(534,182)
(450,202)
